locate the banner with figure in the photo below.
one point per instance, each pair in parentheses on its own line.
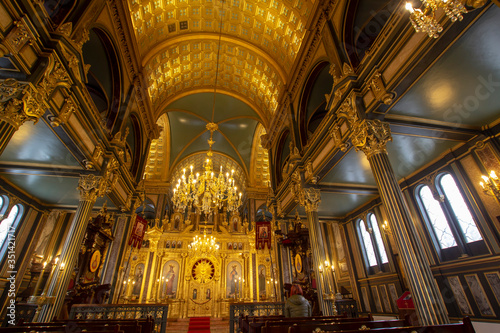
(263,235)
(138,232)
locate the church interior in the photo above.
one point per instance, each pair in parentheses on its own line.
(205,155)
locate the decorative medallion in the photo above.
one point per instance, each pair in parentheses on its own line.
(203,271)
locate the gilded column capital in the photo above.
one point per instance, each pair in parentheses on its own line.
(90,187)
(310,198)
(12,107)
(371,136)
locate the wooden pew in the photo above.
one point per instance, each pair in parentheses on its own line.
(143,325)
(59,329)
(340,326)
(464,327)
(258,327)
(253,323)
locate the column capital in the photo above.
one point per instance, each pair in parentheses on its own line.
(371,136)
(310,198)
(17,103)
(90,187)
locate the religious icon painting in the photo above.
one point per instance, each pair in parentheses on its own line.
(169,279)
(179,244)
(229,246)
(138,277)
(234,280)
(240,246)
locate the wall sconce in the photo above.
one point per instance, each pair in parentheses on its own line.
(61,267)
(491,185)
(320,269)
(386,228)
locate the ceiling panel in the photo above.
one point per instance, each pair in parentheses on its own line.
(475,100)
(37,144)
(353,168)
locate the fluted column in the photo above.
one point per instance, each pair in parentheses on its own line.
(310,199)
(371,137)
(90,187)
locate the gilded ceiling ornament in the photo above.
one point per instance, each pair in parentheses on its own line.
(371,136)
(65,29)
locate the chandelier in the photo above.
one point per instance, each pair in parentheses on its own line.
(207,191)
(425,20)
(203,246)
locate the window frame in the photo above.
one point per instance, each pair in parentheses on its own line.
(462,249)
(380,266)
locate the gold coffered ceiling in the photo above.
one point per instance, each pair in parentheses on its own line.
(178,40)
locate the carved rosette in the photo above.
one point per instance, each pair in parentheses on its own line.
(371,136)
(310,198)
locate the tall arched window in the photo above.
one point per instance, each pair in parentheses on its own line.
(451,224)
(8,224)
(371,240)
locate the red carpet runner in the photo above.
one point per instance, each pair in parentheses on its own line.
(199,325)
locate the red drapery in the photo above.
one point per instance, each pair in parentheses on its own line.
(138,232)
(263,235)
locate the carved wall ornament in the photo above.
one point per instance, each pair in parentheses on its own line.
(377,86)
(371,136)
(65,29)
(430,181)
(18,37)
(337,138)
(66,112)
(348,109)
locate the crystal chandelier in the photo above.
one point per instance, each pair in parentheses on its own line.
(207,191)
(425,20)
(203,246)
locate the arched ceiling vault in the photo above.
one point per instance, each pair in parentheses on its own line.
(178,42)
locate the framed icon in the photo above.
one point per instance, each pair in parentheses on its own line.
(298,263)
(95,260)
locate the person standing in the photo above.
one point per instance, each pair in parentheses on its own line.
(297,305)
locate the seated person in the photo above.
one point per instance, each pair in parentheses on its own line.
(296,305)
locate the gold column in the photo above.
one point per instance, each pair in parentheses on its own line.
(91,187)
(310,199)
(371,136)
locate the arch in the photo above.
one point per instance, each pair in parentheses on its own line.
(104,77)
(147,209)
(312,107)
(263,214)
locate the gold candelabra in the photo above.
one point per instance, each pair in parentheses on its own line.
(203,246)
(491,185)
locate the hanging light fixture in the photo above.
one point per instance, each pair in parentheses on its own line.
(425,20)
(203,246)
(206,190)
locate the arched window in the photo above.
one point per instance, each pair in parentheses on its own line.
(451,224)
(372,244)
(367,244)
(9,224)
(378,238)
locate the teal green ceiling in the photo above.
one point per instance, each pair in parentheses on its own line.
(184,127)
(202,104)
(334,205)
(475,101)
(37,144)
(353,168)
(409,153)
